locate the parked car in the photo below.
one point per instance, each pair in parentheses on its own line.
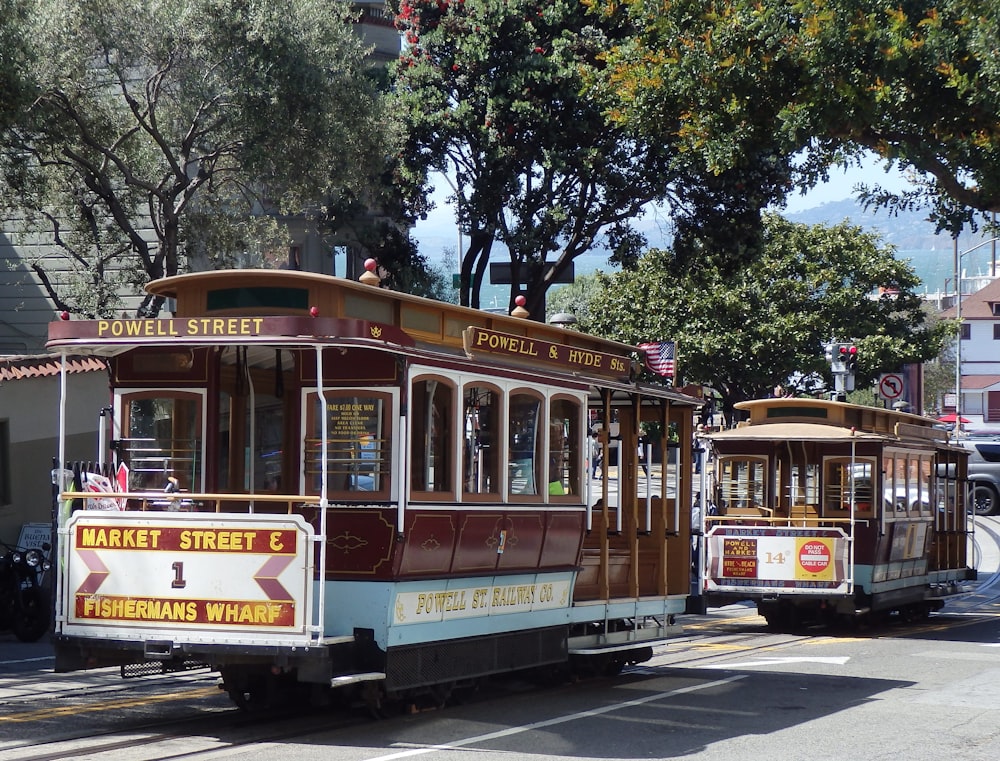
(984,470)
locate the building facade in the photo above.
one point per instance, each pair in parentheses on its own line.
(979,352)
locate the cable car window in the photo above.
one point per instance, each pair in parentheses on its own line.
(900,489)
(743,484)
(432,439)
(803,487)
(358,452)
(162,439)
(482,413)
(565,428)
(265,426)
(524,444)
(923,504)
(847,478)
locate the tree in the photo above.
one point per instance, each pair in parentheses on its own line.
(493,94)
(939,371)
(575,298)
(916,83)
(14,56)
(159,129)
(710,79)
(746,333)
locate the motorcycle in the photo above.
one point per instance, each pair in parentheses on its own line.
(24,602)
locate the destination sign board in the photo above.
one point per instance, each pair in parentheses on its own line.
(172,329)
(482,341)
(130,570)
(789,559)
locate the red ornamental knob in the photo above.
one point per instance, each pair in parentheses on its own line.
(64,315)
(314,311)
(520,300)
(370,265)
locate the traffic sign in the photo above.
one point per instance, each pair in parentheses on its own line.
(891,386)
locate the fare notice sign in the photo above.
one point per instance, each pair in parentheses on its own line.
(239,573)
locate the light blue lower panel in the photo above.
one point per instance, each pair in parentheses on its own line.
(411,612)
(629,609)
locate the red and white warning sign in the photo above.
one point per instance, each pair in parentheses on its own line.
(814,556)
(891,386)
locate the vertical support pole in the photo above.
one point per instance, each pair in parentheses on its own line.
(323,503)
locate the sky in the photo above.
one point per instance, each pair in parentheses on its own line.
(439,232)
(842,182)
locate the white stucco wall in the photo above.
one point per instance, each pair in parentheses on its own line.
(30,406)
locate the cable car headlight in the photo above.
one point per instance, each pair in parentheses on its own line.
(33,558)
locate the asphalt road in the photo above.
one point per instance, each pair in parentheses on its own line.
(728,689)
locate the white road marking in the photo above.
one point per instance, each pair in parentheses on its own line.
(836,660)
(28,660)
(552,722)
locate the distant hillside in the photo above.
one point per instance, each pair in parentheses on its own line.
(932,255)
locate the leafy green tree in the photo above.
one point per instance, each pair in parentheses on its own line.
(813,83)
(712,84)
(493,95)
(917,83)
(15,54)
(939,372)
(745,333)
(574,298)
(160,130)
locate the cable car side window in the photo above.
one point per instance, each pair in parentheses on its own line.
(482,416)
(524,443)
(432,448)
(565,458)
(926,501)
(358,450)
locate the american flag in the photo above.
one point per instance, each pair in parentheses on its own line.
(660,357)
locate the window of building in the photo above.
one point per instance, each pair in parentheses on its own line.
(965,331)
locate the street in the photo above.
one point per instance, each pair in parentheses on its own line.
(729,688)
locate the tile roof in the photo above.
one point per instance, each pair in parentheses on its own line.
(978,305)
(15,367)
(978,382)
